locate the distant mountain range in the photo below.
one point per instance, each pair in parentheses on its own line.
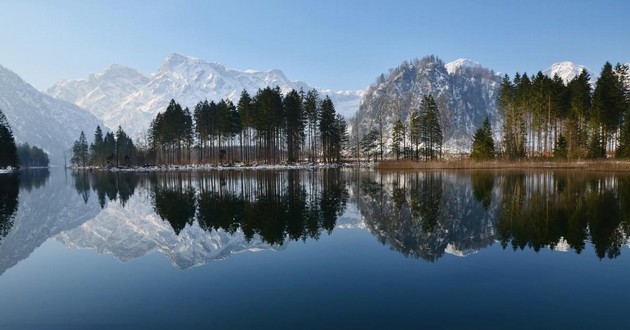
(465,90)
(125,97)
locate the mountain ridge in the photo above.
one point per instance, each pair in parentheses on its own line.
(188,80)
(39,119)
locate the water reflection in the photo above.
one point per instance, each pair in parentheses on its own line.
(107,186)
(558,209)
(424,214)
(427,214)
(10,186)
(275,205)
(9,191)
(196,217)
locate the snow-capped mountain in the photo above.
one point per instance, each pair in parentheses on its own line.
(565,70)
(123,97)
(42,120)
(458,64)
(100,92)
(464,91)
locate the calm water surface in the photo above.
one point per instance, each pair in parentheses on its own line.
(314,249)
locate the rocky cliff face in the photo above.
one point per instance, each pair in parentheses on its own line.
(465,92)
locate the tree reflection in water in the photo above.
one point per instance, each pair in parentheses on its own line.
(276,205)
(9,191)
(425,214)
(420,214)
(10,186)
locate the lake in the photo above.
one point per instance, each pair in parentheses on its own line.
(314,249)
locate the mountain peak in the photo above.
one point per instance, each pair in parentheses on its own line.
(565,70)
(454,66)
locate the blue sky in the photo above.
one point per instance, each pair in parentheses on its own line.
(330,44)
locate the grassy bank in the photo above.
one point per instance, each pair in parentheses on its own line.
(591,165)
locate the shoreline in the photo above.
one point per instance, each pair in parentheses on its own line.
(588,165)
(387,165)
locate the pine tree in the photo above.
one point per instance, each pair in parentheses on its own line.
(294,130)
(483,143)
(80,151)
(415,127)
(8,149)
(431,132)
(608,105)
(369,144)
(579,90)
(561,149)
(96,148)
(245,111)
(312,113)
(398,133)
(327,129)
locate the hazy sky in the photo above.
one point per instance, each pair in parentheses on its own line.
(334,44)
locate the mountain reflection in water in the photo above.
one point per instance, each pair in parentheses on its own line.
(196,217)
(425,214)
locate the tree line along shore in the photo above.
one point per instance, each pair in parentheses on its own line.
(546,122)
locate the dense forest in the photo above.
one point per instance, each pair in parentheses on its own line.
(22,155)
(545,117)
(269,128)
(420,139)
(8,149)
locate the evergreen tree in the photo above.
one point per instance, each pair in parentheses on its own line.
(80,151)
(96,148)
(561,149)
(109,148)
(125,149)
(483,143)
(294,130)
(312,113)
(340,138)
(8,149)
(201,115)
(327,129)
(245,112)
(579,90)
(609,103)
(32,156)
(398,135)
(431,131)
(415,128)
(369,144)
